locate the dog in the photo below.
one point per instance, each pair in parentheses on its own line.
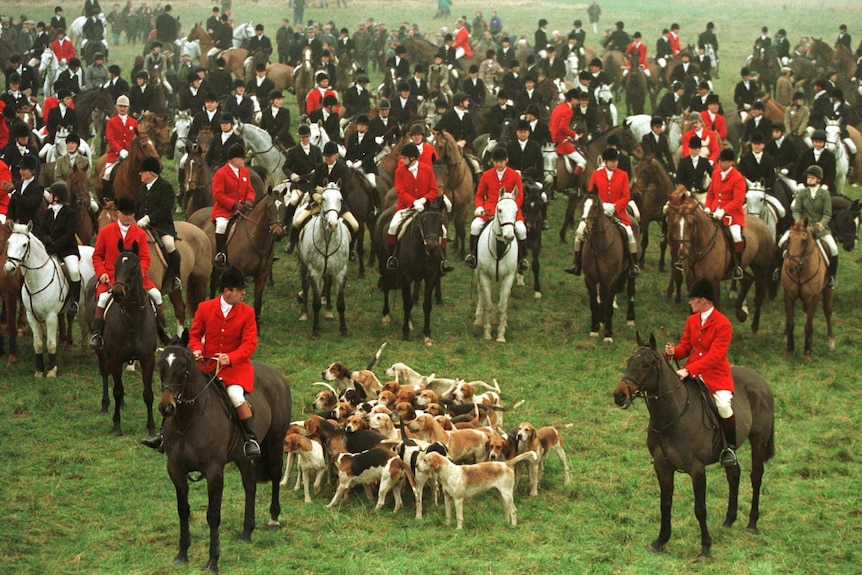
(382,423)
(405,375)
(311,460)
(346,379)
(541,442)
(462,481)
(371,466)
(463,444)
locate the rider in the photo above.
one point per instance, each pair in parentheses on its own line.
(612,187)
(814,203)
(636,50)
(820,156)
(224,332)
(123,233)
(57,232)
(155,211)
(119,131)
(299,165)
(361,152)
(705,343)
(724,201)
(232,193)
(500,176)
(563,135)
(26,199)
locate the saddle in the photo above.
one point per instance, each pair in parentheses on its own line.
(712,418)
(402,227)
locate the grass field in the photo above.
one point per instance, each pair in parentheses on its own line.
(78,500)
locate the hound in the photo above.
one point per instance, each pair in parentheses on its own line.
(463,444)
(541,442)
(405,375)
(371,466)
(311,460)
(346,379)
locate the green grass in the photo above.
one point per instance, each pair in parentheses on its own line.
(78,500)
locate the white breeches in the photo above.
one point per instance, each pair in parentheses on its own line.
(459,53)
(214,51)
(736,232)
(221,225)
(296,196)
(236,394)
(630,235)
(830,243)
(3,219)
(73,268)
(109,167)
(397,218)
(722,399)
(647,72)
(851,146)
(578,159)
(372,179)
(170,245)
(154,293)
(478,224)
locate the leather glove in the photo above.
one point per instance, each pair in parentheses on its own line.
(707,211)
(609,208)
(379,140)
(294,177)
(238,206)
(419,205)
(249,204)
(480,211)
(719,213)
(124,154)
(144,222)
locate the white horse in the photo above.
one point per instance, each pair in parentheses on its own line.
(264,151)
(242,33)
(835,144)
(193,48)
(674,134)
(320,137)
(764,206)
(182,126)
(76,30)
(639,124)
(44,291)
(497,261)
(52,152)
(49,70)
(324,249)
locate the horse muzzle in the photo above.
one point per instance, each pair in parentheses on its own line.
(10,268)
(168,403)
(623,395)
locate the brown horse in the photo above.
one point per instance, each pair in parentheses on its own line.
(78,182)
(153,124)
(198,182)
(651,189)
(606,267)
(706,251)
(303,78)
(685,435)
(10,293)
(126,179)
(455,180)
(803,277)
(280,74)
(614,62)
(357,192)
(251,242)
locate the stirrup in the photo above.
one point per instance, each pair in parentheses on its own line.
(728,457)
(737,273)
(251,449)
(678,266)
(470,261)
(445,268)
(392,263)
(523,265)
(96,341)
(776,274)
(830,281)
(288,249)
(177,283)
(220,259)
(73,308)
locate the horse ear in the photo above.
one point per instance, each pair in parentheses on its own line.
(135,247)
(652,342)
(120,245)
(185,337)
(29,226)
(639,339)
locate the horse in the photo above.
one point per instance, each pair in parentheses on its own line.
(803,277)
(357,193)
(126,179)
(613,64)
(303,77)
(636,89)
(50,69)
(835,144)
(78,182)
(534,219)
(264,151)
(93,107)
(497,261)
(129,334)
(153,124)
(684,433)
(201,434)
(605,267)
(197,183)
(251,242)
(419,257)
(651,189)
(182,126)
(242,33)
(10,293)
(205,43)
(44,291)
(323,253)
(761,205)
(456,183)
(844,224)
(705,251)
(767,66)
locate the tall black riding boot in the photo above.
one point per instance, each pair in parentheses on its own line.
(175,269)
(833,271)
(634,268)
(545,216)
(74,296)
(161,324)
(97,327)
(728,454)
(107,190)
(523,265)
(391,260)
(738,247)
(575,270)
(250,447)
(221,256)
(375,202)
(292,241)
(470,260)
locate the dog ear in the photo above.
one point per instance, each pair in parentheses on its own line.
(360,390)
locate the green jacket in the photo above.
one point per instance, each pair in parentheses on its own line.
(816,209)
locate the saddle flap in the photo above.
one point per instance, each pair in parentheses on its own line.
(402,227)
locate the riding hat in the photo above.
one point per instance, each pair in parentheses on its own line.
(156,44)
(10,111)
(815,170)
(258,27)
(514,64)
(459,98)
(192,77)
(22,131)
(524,125)
(321,76)
(231,278)
(114,69)
(363,119)
(703,85)
(798,95)
(274,94)
(414,129)
(821,83)
(757,138)
(499,153)
(72,138)
(63,93)
(758,105)
(410,151)
(226,118)
(74,63)
(726,155)
(610,154)
(702,288)
(142,74)
(126,205)
(694,143)
(330,149)
(615,140)
(819,135)
(572,94)
(236,151)
(220,62)
(596,62)
(238,82)
(712,99)
(14,78)
(695,117)
(403,86)
(441,103)
(838,94)
(533,110)
(29,162)
(584,95)
(420,68)
(779,126)
(211,97)
(60,191)
(656,121)
(303,130)
(330,100)
(362,79)
(745,71)
(448,37)
(677,86)
(502,94)
(150,165)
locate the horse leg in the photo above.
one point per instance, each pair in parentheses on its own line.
(607,312)
(176,298)
(215,489)
(181,485)
(327,295)
(698,483)
(662,245)
(503,308)
(827,311)
(732,474)
(259,285)
(342,322)
(119,393)
(630,309)
(360,249)
(569,217)
(595,317)
(536,248)
(407,297)
(789,311)
(810,310)
(426,308)
(664,472)
(760,448)
(387,318)
(249,485)
(739,301)
(148,363)
(315,307)
(644,242)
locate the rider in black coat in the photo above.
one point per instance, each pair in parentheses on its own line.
(57,231)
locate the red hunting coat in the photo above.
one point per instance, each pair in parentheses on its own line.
(410,189)
(5,176)
(462,40)
(488,192)
(560,128)
(728,195)
(706,347)
(107,251)
(228,189)
(314,100)
(235,335)
(639,50)
(709,140)
(428,155)
(718,125)
(64,51)
(614,191)
(119,136)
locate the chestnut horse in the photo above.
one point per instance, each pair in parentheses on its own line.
(651,189)
(126,179)
(10,293)
(803,277)
(456,183)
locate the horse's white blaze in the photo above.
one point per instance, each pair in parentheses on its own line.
(278,204)
(170,359)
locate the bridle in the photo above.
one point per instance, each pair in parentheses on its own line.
(636,389)
(801,259)
(181,384)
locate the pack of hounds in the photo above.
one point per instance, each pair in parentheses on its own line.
(427,431)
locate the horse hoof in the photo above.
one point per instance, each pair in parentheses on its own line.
(387,320)
(328,315)
(52,373)
(752,530)
(180,559)
(405,338)
(303,317)
(594,334)
(39,375)
(130,367)
(788,355)
(703,558)
(117,431)
(428,341)
(608,340)
(501,339)
(273,524)
(486,336)
(478,322)
(315,335)
(830,344)
(630,323)
(807,356)
(537,295)
(520,280)
(343,333)
(13,357)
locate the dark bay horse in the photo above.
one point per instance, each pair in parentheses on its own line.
(10,292)
(157,128)
(803,277)
(651,189)
(419,256)
(534,219)
(705,251)
(357,192)
(636,88)
(685,435)
(605,267)
(78,182)
(844,224)
(201,435)
(93,107)
(129,334)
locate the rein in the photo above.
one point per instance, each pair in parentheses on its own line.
(55,273)
(801,259)
(655,398)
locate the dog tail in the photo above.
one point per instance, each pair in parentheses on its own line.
(407,472)
(374,359)
(528,455)
(480,383)
(511,408)
(563,426)
(324,384)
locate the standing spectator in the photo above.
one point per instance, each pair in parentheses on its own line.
(131,26)
(362,45)
(26,38)
(283,39)
(781,47)
(796,116)
(220,79)
(593,13)
(213,21)
(495,25)
(784,88)
(92,8)
(167,26)
(298,12)
(540,37)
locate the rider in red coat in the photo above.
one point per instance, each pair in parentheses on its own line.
(5,187)
(105,255)
(462,40)
(63,48)
(232,193)
(500,176)
(637,51)
(314,99)
(725,199)
(612,187)
(705,343)
(561,132)
(120,130)
(708,138)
